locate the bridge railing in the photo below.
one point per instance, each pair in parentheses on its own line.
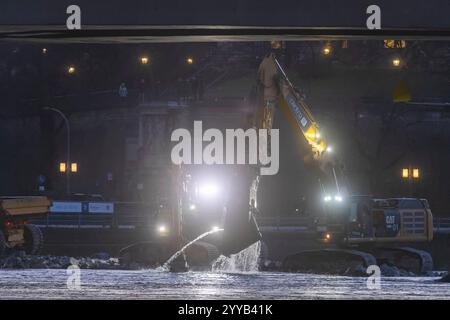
(129,215)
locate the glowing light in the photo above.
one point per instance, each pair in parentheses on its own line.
(71,70)
(326,50)
(44,50)
(74,167)
(192,207)
(208,190)
(162,229)
(338,198)
(396,62)
(215,228)
(144,60)
(189,60)
(416,173)
(329,149)
(62,167)
(405,173)
(327,199)
(327,236)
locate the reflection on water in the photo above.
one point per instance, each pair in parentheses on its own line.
(109,284)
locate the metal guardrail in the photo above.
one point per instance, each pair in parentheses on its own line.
(127,219)
(82,220)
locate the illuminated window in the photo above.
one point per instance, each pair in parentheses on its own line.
(416,173)
(74,167)
(394,44)
(62,167)
(405,173)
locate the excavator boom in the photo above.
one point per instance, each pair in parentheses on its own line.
(278,90)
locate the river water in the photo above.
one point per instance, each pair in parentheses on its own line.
(159,284)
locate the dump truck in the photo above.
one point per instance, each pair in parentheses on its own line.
(15,231)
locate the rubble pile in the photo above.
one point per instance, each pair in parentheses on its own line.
(20,260)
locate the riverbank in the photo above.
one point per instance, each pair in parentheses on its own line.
(20,260)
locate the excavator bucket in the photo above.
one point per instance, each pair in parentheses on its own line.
(240,231)
(240,227)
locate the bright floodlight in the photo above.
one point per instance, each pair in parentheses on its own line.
(215,228)
(327,198)
(329,149)
(162,229)
(338,198)
(208,190)
(192,207)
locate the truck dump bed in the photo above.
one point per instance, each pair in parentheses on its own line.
(18,206)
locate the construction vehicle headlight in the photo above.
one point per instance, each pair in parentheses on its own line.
(162,230)
(327,198)
(338,198)
(329,149)
(208,190)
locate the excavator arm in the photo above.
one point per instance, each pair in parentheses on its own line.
(275,90)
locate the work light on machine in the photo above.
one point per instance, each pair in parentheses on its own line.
(162,230)
(208,190)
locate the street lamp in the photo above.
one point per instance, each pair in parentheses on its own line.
(410,174)
(405,173)
(396,62)
(326,50)
(144,60)
(68,147)
(71,70)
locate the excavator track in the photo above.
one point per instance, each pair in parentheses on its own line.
(410,259)
(335,261)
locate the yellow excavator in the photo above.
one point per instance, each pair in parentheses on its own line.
(15,231)
(354,228)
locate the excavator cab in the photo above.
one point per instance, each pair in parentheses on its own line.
(364,219)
